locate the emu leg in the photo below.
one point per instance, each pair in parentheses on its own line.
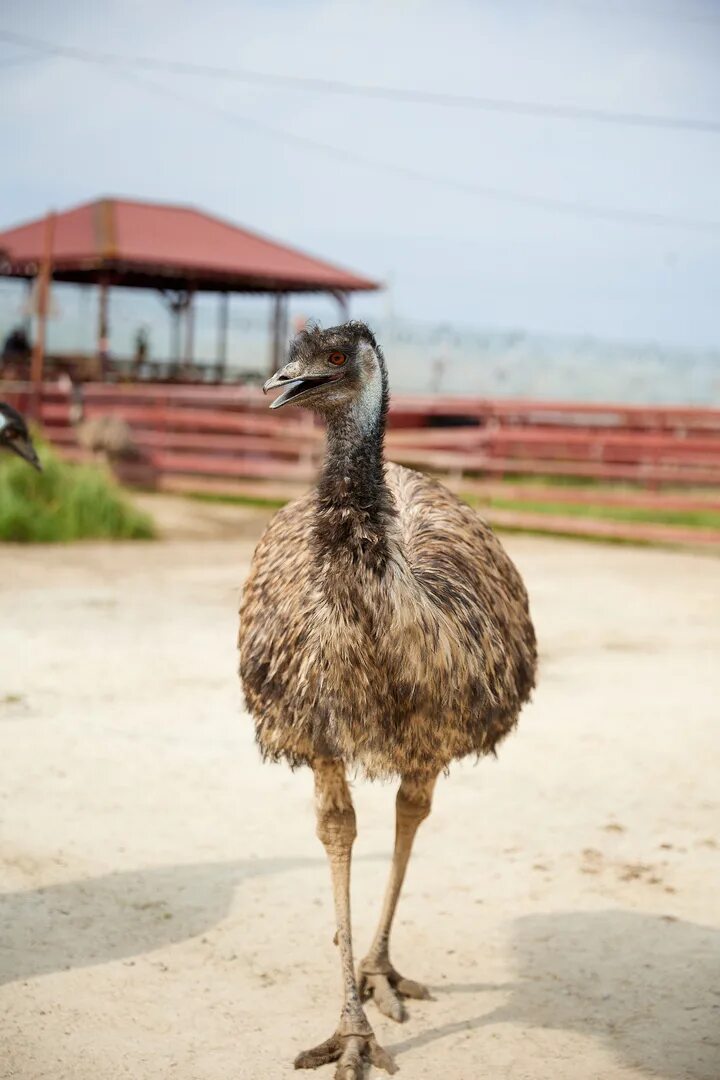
(353,1042)
(377,977)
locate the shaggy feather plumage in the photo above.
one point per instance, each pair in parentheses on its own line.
(108,434)
(382,621)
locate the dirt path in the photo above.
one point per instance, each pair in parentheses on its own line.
(167,911)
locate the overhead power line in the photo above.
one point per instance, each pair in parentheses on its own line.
(570,208)
(385,93)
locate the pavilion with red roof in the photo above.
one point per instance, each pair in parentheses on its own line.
(175,249)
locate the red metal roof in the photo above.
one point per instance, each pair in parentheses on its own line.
(161,246)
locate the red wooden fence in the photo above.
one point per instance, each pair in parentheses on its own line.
(211,432)
(224,439)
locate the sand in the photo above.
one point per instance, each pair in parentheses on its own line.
(166,908)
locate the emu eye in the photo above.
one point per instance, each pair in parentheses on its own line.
(337,358)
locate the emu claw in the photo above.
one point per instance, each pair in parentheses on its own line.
(387,989)
(351,1052)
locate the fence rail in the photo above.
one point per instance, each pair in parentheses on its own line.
(223,438)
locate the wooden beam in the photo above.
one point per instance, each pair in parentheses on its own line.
(343,300)
(189,328)
(223,320)
(276,317)
(43,303)
(103,326)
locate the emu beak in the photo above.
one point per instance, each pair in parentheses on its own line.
(295,385)
(22,446)
(280,378)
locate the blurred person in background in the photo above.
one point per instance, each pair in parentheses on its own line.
(16,353)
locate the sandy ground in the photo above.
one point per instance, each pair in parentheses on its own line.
(166,908)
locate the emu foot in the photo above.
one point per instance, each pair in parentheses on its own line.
(387,988)
(352,1052)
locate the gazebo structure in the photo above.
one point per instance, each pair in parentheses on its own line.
(176,250)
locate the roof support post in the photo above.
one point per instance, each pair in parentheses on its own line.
(103,326)
(278,330)
(28,307)
(343,300)
(189,327)
(284,325)
(174,339)
(44,278)
(223,318)
(178,302)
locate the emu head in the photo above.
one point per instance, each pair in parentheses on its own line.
(15,436)
(334,371)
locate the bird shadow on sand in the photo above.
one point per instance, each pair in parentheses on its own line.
(116,916)
(646,986)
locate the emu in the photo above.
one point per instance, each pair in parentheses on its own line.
(384,630)
(14,435)
(107,437)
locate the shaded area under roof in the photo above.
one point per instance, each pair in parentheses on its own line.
(157,246)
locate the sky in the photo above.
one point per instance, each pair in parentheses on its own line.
(72,131)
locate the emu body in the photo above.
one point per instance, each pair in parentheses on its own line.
(107,436)
(398,665)
(383,628)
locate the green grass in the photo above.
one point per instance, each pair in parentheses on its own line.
(708,519)
(65,502)
(593,511)
(258,502)
(520,479)
(588,484)
(580,538)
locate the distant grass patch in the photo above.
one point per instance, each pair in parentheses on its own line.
(556,481)
(65,502)
(259,502)
(593,511)
(708,519)
(580,538)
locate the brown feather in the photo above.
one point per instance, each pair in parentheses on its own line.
(390,630)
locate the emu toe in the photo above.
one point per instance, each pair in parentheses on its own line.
(352,1053)
(388,989)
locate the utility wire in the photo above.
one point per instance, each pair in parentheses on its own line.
(571,208)
(385,93)
(518,198)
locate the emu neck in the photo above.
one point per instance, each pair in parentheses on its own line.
(354,505)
